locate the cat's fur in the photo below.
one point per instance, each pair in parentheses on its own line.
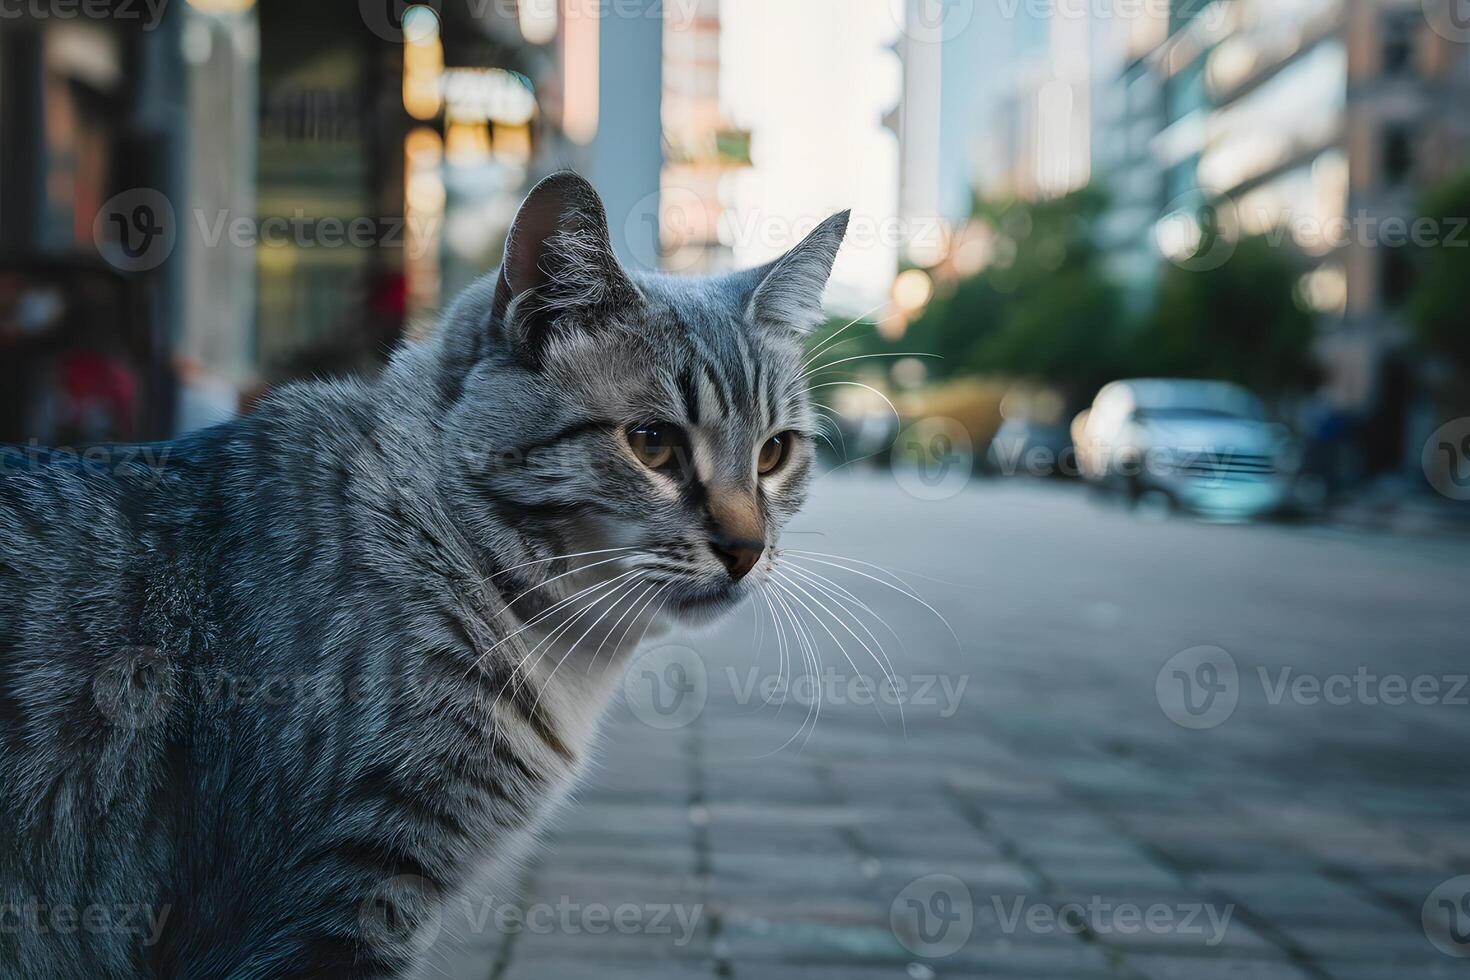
(262,703)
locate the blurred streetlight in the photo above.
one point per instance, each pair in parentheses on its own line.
(222,6)
(423,62)
(912,290)
(538,20)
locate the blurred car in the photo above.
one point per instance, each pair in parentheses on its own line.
(81,360)
(1027,447)
(1205,446)
(1033,439)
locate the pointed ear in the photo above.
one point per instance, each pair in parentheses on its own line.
(559,266)
(790,294)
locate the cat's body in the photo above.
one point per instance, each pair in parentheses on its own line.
(262,703)
(246,603)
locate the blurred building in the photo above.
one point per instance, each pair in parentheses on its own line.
(810,83)
(391,153)
(91,151)
(1038,120)
(1313,121)
(701,146)
(200,199)
(624,157)
(918,122)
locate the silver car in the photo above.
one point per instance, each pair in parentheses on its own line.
(1205,446)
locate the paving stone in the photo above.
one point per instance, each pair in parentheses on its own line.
(1085,876)
(758,970)
(983,877)
(1404,943)
(645,857)
(1199,968)
(747,839)
(1439,968)
(1062,957)
(830,871)
(919,844)
(662,947)
(795,942)
(546,968)
(1057,779)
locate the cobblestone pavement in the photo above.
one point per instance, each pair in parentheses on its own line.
(1157,750)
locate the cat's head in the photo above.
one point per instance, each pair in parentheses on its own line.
(668,416)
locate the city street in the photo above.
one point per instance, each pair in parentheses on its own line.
(1156,749)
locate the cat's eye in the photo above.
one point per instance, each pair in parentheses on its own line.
(774,452)
(656,445)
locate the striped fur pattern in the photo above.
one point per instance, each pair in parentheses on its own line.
(273,693)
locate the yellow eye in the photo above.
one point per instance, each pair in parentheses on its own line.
(656,444)
(774,452)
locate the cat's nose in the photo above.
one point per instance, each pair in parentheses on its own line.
(738,554)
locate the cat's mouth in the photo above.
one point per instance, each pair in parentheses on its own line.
(701,601)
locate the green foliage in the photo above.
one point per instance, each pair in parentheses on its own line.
(1439,304)
(1238,322)
(1044,309)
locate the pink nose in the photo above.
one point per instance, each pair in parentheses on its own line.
(738,554)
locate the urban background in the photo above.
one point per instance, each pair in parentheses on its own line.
(203,198)
(1148,398)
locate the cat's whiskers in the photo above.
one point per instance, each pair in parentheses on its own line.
(549,611)
(654,617)
(903,589)
(522,671)
(570,571)
(833,586)
(786,585)
(827,341)
(892,571)
(854,604)
(765,602)
(897,418)
(762,592)
(830,421)
(542,561)
(811,660)
(850,607)
(863,357)
(858,384)
(572,647)
(654,590)
(791,589)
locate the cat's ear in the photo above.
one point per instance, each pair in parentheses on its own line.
(790,292)
(559,265)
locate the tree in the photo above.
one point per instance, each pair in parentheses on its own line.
(1041,308)
(1439,303)
(1241,321)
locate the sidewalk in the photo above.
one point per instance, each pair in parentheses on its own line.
(1043,816)
(1420,514)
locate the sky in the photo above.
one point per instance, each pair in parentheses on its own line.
(812,81)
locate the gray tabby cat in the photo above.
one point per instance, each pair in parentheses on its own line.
(271,698)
